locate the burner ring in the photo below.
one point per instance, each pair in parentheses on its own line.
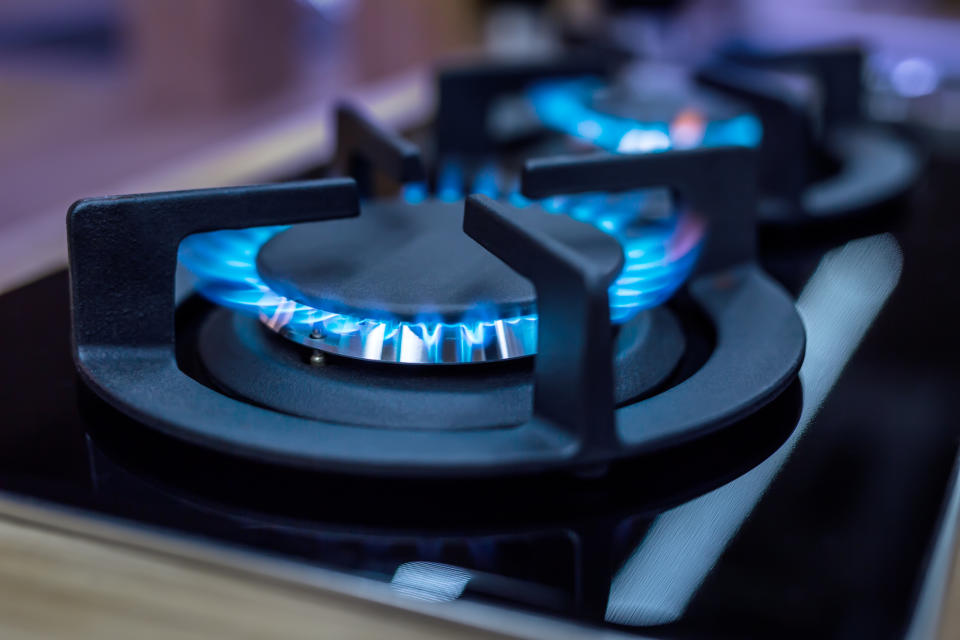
(878,166)
(423,291)
(240,355)
(572,107)
(658,256)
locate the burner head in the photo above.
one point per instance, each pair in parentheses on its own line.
(412,263)
(403,283)
(627,117)
(660,93)
(415,286)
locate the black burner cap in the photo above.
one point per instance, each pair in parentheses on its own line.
(411,261)
(657,93)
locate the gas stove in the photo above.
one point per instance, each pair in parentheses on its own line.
(555,358)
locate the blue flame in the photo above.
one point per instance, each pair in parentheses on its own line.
(659,254)
(415,192)
(450,181)
(564,105)
(224,263)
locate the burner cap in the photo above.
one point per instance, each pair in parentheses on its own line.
(403,265)
(625,118)
(652,95)
(411,263)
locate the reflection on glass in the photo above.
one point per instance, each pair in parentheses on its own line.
(430,581)
(837,305)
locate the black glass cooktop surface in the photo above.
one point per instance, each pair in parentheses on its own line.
(812,518)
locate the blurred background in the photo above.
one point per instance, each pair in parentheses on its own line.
(109,96)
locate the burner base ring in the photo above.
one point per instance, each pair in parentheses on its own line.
(877,167)
(251,362)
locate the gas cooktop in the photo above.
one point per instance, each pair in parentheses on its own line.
(569,384)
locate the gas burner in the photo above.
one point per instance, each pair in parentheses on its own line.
(821,160)
(597,102)
(634,114)
(596,391)
(425,291)
(402,283)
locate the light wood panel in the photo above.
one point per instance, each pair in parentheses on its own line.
(950,623)
(70,574)
(949,607)
(55,585)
